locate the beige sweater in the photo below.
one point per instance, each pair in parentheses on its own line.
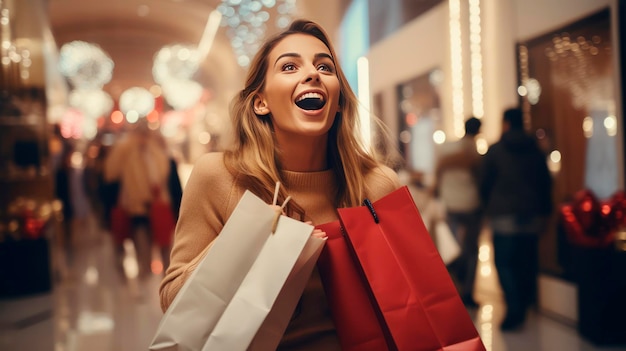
(208,200)
(138,169)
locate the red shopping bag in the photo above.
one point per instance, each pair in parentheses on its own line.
(415,303)
(162,223)
(359,324)
(120,225)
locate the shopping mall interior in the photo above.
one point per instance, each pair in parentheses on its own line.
(78,75)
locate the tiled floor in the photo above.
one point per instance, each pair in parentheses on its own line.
(93,307)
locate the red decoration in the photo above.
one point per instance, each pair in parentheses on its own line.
(33,227)
(592,223)
(618,207)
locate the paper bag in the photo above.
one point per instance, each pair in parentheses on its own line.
(415,303)
(359,324)
(236,270)
(448,247)
(259,289)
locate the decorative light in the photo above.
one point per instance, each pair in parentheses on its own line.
(136,99)
(533,89)
(364,101)
(456,59)
(482,146)
(174,67)
(610,123)
(86,65)
(573,69)
(90,128)
(554,161)
(476,65)
(181,94)
(588,127)
(93,103)
(71,123)
(175,62)
(439,137)
(247,23)
(524,76)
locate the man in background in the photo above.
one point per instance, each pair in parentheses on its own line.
(516,188)
(457,187)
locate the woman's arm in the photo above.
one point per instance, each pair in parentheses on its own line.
(207,201)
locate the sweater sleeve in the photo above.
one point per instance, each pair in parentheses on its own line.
(205,206)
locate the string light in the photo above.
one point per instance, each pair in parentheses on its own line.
(247,20)
(456,57)
(476,65)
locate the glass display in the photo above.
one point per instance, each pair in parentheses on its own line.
(567,91)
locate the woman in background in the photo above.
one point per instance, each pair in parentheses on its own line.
(142,167)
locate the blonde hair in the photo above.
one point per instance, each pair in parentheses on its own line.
(255,161)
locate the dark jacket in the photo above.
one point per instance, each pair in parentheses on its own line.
(514,177)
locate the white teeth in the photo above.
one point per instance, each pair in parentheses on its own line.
(311,96)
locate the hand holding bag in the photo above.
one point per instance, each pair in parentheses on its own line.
(226,301)
(414,301)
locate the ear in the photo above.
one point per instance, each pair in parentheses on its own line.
(260,106)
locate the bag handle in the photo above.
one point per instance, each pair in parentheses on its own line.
(279,211)
(370,206)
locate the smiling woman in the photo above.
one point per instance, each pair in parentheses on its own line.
(296,123)
(301,97)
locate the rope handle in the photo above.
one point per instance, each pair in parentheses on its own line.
(370,206)
(278,211)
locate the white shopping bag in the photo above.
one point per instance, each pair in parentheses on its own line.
(275,324)
(448,247)
(236,270)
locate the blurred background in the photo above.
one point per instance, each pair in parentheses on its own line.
(77,75)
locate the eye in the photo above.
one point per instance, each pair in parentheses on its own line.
(325,67)
(288,67)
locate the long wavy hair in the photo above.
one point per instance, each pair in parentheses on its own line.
(255,158)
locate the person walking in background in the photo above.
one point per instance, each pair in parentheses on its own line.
(295,122)
(516,188)
(456,185)
(142,168)
(63,190)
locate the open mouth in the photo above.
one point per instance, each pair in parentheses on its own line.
(311,101)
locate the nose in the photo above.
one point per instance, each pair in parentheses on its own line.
(312,75)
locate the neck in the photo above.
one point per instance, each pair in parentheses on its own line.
(304,154)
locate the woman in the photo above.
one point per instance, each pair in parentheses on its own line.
(142,169)
(295,122)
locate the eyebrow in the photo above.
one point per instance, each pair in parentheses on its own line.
(293,54)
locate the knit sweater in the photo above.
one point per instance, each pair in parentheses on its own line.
(209,198)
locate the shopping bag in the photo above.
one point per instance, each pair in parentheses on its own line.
(120,225)
(448,247)
(271,331)
(416,305)
(162,223)
(359,324)
(225,301)
(256,295)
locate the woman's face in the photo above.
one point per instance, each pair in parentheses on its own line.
(301,92)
